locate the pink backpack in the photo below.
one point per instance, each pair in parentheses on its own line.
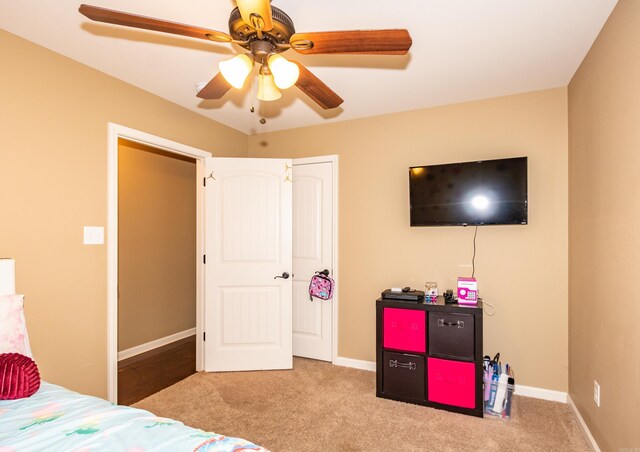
(321,286)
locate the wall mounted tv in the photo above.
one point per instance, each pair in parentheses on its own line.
(469,193)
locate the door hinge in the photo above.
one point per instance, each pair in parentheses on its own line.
(204,258)
(204,336)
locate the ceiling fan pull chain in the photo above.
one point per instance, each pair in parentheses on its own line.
(262,118)
(253,93)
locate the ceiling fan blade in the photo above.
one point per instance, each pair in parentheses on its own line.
(148,23)
(249,9)
(315,88)
(215,89)
(376,42)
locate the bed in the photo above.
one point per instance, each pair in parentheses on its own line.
(39,416)
(57,419)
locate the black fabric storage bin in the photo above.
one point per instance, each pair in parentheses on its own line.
(451,335)
(404,376)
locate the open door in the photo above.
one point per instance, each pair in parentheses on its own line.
(313,244)
(248,281)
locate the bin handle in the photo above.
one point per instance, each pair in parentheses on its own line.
(410,365)
(443,322)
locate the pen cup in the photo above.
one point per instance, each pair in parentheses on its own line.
(503,409)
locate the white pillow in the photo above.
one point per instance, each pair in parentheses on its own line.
(13,327)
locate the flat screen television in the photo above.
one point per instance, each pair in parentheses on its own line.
(469,193)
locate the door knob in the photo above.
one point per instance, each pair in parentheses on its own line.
(284,275)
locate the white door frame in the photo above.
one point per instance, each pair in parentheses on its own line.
(117,131)
(334,252)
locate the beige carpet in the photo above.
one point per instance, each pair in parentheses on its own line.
(321,407)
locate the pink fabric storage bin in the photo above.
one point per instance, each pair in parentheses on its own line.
(404,329)
(451,382)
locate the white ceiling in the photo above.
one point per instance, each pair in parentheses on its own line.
(462,50)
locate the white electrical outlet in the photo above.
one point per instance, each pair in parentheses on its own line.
(596,392)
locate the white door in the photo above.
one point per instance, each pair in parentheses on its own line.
(312,252)
(248,311)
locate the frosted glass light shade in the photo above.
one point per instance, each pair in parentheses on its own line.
(236,70)
(267,89)
(285,73)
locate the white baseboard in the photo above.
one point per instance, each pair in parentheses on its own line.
(527,391)
(138,349)
(583,425)
(541,393)
(355,363)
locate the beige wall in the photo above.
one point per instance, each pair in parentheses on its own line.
(522,270)
(156,244)
(604,213)
(53,181)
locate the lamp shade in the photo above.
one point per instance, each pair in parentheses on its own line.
(236,70)
(267,89)
(285,73)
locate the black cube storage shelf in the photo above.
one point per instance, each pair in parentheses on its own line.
(431,355)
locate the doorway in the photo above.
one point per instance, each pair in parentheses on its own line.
(156,269)
(117,132)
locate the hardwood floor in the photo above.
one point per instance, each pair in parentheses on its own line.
(150,372)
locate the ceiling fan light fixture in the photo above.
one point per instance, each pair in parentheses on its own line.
(285,73)
(264,30)
(236,70)
(267,89)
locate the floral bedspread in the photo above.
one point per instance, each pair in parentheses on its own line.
(56,419)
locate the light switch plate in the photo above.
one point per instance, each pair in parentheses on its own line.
(93,235)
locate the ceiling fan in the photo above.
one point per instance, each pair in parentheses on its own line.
(266,31)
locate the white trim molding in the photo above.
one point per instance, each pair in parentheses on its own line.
(148,346)
(583,425)
(355,363)
(334,159)
(541,393)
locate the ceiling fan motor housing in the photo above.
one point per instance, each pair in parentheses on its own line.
(278,36)
(261,50)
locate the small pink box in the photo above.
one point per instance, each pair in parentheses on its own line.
(467,291)
(404,329)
